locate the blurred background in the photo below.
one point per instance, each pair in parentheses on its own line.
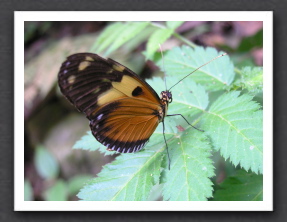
(55,171)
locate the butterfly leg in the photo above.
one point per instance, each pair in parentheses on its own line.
(163,128)
(186,121)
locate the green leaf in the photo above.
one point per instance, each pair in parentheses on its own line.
(174,24)
(129,31)
(76,183)
(191,168)
(123,179)
(133,43)
(107,37)
(46,165)
(234,125)
(251,42)
(251,80)
(88,142)
(130,177)
(181,61)
(28,191)
(158,37)
(241,187)
(58,192)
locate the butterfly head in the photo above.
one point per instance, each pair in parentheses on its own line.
(166,97)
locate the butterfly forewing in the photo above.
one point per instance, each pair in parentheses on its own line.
(122,108)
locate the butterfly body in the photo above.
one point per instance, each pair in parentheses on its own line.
(122,108)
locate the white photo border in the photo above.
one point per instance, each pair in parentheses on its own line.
(20,17)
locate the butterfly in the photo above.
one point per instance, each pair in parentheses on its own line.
(122,108)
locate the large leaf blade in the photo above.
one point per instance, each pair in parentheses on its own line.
(129,177)
(158,37)
(234,125)
(129,31)
(191,168)
(107,36)
(181,61)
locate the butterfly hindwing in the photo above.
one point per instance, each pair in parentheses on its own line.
(122,108)
(125,125)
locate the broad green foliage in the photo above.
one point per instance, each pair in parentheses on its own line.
(133,43)
(181,61)
(117,34)
(241,187)
(232,124)
(124,32)
(191,168)
(107,37)
(157,38)
(130,31)
(129,177)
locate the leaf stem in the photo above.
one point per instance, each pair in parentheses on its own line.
(186,41)
(238,71)
(175,34)
(158,25)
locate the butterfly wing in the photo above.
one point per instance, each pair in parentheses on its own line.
(125,125)
(122,108)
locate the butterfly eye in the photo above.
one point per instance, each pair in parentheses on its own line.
(169,96)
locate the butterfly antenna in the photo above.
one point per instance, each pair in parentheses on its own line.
(163,66)
(198,69)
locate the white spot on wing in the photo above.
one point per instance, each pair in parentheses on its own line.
(100,116)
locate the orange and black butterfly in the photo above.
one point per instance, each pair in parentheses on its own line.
(123,109)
